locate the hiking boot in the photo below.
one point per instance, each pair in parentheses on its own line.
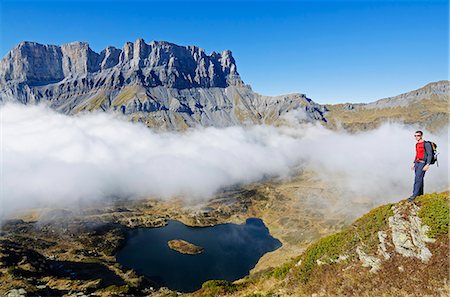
(411,198)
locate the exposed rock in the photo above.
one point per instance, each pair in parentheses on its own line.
(161,84)
(409,234)
(426,107)
(368,261)
(348,106)
(17,293)
(440,88)
(382,250)
(158,63)
(329,260)
(168,86)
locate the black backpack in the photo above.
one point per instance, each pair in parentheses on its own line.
(434,152)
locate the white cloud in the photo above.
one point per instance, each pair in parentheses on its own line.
(50,158)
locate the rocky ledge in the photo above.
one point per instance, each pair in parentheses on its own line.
(184,247)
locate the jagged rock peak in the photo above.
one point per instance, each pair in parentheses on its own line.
(159,62)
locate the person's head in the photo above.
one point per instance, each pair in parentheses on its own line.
(418,135)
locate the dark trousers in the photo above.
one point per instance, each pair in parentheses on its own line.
(418,179)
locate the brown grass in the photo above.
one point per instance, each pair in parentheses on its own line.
(433,114)
(416,279)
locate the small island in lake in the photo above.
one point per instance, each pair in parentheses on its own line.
(184,247)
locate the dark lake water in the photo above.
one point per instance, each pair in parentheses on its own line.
(231,251)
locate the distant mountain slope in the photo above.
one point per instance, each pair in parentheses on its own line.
(161,84)
(427,107)
(394,250)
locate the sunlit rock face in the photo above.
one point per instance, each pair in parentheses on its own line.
(158,63)
(159,83)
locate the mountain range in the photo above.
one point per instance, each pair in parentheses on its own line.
(173,87)
(160,84)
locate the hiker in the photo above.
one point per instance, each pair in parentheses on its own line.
(422,161)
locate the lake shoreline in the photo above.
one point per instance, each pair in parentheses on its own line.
(233,250)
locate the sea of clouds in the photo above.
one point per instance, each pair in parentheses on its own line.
(51,159)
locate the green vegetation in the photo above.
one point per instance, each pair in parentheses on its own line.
(255,295)
(328,249)
(367,226)
(117,289)
(281,271)
(14,270)
(127,94)
(214,288)
(434,212)
(96,101)
(93,103)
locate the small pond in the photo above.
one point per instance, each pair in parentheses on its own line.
(231,251)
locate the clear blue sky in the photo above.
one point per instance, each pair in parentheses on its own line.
(334,51)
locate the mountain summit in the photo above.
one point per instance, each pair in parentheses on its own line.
(159,83)
(158,63)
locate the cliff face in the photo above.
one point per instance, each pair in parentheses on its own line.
(160,84)
(151,65)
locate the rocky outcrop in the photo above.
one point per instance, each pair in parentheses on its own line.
(409,235)
(159,83)
(404,235)
(368,261)
(382,247)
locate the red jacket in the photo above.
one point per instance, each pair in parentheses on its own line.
(420,151)
(424,152)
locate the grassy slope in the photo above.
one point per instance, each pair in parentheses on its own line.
(338,275)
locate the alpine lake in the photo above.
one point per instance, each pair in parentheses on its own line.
(230,252)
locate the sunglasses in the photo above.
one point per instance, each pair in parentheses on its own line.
(417,135)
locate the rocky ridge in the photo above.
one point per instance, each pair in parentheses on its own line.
(158,63)
(161,84)
(439,89)
(426,107)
